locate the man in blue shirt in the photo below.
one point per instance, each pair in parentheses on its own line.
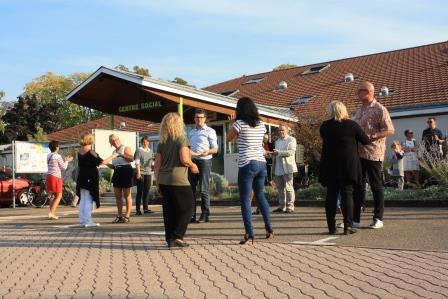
(204,144)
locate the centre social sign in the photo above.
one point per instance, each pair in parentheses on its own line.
(141,106)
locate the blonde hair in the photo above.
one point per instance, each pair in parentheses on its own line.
(171,127)
(87,139)
(336,110)
(395,144)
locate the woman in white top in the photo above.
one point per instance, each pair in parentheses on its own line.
(250,130)
(122,178)
(53,181)
(410,160)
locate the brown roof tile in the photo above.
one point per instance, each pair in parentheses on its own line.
(416,76)
(75,133)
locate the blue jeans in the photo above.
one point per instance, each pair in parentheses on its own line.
(251,177)
(203,178)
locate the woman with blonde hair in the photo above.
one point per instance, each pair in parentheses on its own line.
(172,162)
(87,183)
(340,167)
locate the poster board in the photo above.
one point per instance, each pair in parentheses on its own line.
(31,157)
(102,145)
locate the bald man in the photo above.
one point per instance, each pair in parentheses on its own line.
(375,120)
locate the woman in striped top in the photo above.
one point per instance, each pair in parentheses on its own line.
(249,131)
(53,181)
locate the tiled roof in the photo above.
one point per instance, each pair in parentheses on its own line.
(415,76)
(75,133)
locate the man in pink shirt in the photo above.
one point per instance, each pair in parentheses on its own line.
(375,120)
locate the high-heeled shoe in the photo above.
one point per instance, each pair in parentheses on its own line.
(246,239)
(269,235)
(349,230)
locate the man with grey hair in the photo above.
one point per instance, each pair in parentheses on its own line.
(284,165)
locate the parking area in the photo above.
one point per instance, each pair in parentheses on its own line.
(408,258)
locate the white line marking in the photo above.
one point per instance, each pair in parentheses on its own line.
(159,233)
(318,242)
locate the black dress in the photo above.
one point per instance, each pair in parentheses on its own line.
(88,175)
(340,159)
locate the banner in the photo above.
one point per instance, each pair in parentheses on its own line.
(31,157)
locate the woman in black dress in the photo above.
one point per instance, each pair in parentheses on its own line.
(340,167)
(87,183)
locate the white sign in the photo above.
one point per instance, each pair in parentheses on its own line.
(102,145)
(31,157)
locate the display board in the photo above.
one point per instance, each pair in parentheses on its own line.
(102,145)
(31,157)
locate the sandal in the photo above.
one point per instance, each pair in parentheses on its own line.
(118,219)
(125,219)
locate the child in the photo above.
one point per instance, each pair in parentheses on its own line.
(396,159)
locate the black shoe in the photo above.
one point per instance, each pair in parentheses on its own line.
(148,211)
(203,218)
(138,213)
(278,210)
(333,231)
(193,220)
(177,243)
(350,230)
(269,235)
(246,239)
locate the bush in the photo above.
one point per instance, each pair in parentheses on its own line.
(313,192)
(104,185)
(218,184)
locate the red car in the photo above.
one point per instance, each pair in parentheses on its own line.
(21,186)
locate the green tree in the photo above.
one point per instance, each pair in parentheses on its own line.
(26,117)
(182,82)
(136,69)
(284,67)
(39,136)
(52,88)
(2,124)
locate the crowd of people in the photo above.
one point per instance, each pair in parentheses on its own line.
(353,152)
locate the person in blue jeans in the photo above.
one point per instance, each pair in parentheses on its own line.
(249,130)
(204,144)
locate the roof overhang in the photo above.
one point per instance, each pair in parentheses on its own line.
(420,110)
(128,94)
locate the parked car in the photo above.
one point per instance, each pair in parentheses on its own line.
(21,187)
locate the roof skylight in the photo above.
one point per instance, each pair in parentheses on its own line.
(253,81)
(302,100)
(315,69)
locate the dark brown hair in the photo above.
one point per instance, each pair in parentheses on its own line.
(53,145)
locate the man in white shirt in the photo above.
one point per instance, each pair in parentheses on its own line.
(284,166)
(204,144)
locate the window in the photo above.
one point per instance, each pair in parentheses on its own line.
(302,100)
(315,69)
(253,81)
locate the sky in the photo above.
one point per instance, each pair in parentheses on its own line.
(202,41)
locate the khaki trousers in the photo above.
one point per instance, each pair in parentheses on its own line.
(286,194)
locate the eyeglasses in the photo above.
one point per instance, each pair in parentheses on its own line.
(363,90)
(429,121)
(199,117)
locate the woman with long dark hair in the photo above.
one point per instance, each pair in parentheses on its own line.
(249,131)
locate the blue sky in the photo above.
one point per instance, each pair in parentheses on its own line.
(202,41)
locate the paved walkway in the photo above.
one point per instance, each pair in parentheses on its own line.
(45,259)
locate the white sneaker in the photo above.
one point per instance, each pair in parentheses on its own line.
(91,225)
(340,225)
(376,223)
(356,224)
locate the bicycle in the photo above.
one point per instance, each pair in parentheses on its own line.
(37,195)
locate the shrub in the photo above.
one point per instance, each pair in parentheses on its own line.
(218,183)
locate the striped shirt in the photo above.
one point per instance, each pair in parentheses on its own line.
(56,164)
(250,142)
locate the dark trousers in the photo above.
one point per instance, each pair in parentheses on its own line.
(177,203)
(143,187)
(371,170)
(346,191)
(203,178)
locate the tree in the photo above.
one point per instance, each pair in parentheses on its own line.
(26,117)
(284,67)
(52,88)
(136,69)
(2,111)
(182,82)
(39,136)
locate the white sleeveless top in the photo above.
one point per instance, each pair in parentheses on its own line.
(120,161)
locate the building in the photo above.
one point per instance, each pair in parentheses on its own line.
(412,83)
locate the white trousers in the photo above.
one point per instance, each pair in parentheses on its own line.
(85,207)
(286,194)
